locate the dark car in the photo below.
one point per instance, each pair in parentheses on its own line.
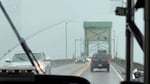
(80,59)
(100,60)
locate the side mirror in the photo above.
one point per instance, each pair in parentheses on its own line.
(138,74)
(8,61)
(47,59)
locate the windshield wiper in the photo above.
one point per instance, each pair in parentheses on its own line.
(22,42)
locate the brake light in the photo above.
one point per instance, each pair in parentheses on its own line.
(92,60)
(108,60)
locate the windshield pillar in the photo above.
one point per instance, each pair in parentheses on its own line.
(147,43)
(129,39)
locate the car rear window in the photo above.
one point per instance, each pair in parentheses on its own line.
(23,57)
(100,56)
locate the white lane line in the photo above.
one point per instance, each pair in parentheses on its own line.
(117,73)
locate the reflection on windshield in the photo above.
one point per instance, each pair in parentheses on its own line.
(24,57)
(100,56)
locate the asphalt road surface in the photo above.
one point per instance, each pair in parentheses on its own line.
(101,76)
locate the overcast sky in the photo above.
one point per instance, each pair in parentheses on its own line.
(31,16)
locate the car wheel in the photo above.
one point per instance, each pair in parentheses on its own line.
(107,69)
(92,69)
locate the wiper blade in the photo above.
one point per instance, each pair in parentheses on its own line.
(30,55)
(22,42)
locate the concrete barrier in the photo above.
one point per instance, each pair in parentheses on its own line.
(122,63)
(80,71)
(60,62)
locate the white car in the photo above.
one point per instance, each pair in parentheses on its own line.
(20,61)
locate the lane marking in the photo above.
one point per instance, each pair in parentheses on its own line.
(117,72)
(82,70)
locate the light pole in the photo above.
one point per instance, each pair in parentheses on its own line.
(115,39)
(79,45)
(80,48)
(66,39)
(75,48)
(114,45)
(117,46)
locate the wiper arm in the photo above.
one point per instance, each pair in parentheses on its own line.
(30,55)
(22,42)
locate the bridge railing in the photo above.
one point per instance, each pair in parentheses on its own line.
(122,63)
(60,62)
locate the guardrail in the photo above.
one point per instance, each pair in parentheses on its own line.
(59,62)
(120,65)
(122,62)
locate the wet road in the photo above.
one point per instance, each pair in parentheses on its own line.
(68,69)
(101,76)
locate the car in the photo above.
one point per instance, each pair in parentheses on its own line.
(20,61)
(80,59)
(100,60)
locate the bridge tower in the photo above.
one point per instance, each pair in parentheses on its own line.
(97,34)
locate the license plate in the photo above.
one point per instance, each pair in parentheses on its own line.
(99,65)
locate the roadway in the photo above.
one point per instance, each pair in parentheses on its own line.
(67,69)
(99,76)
